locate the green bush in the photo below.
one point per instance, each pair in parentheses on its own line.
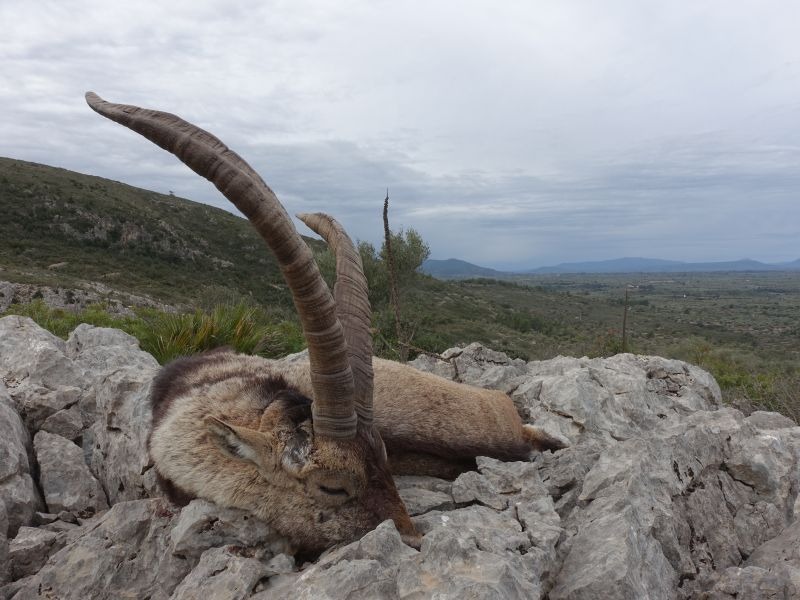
(607,344)
(745,381)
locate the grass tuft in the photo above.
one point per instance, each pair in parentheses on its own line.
(245,328)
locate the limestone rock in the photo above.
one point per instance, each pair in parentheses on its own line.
(222,574)
(475,365)
(37,404)
(31,354)
(124,554)
(613,557)
(5,565)
(19,497)
(203,524)
(363,569)
(421,494)
(30,550)
(117,401)
(573,396)
(766,421)
(751,583)
(68,423)
(662,493)
(472,486)
(86,343)
(781,554)
(429,364)
(454,566)
(67,482)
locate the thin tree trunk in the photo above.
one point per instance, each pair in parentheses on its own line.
(394,298)
(625,322)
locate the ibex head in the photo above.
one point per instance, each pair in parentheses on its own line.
(230,429)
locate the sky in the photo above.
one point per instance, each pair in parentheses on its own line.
(509,134)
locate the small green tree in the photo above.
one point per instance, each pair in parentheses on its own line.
(402,254)
(408,251)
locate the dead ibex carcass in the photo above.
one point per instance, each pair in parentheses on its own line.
(235,431)
(243,431)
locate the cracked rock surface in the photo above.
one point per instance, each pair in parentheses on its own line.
(662,492)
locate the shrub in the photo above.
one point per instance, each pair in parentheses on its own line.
(744,382)
(245,328)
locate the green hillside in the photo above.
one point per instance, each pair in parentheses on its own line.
(61,227)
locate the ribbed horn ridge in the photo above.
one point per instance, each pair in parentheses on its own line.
(351,294)
(331,376)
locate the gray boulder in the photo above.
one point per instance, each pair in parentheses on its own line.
(146,548)
(19,498)
(5,566)
(475,365)
(38,404)
(202,525)
(471,552)
(125,554)
(30,550)
(116,402)
(751,583)
(30,355)
(229,574)
(66,480)
(617,397)
(421,494)
(92,388)
(780,555)
(67,422)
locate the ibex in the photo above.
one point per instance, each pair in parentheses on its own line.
(301,445)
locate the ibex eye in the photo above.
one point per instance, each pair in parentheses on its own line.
(332,491)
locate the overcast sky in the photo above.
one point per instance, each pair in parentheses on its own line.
(510,134)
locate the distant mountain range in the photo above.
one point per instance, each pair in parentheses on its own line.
(458,269)
(453,268)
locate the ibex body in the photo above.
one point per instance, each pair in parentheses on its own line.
(435,426)
(301,444)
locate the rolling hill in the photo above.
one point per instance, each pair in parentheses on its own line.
(61,227)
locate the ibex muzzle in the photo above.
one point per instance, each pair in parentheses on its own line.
(229,428)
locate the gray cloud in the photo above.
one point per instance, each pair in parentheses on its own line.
(510,135)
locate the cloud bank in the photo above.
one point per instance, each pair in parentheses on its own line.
(515,135)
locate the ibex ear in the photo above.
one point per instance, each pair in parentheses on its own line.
(241,442)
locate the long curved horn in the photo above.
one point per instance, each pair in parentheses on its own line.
(331,376)
(351,294)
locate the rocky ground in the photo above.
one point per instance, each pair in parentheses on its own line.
(662,493)
(76,299)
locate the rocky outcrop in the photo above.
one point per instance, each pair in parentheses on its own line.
(662,492)
(138,549)
(116,302)
(20,498)
(65,478)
